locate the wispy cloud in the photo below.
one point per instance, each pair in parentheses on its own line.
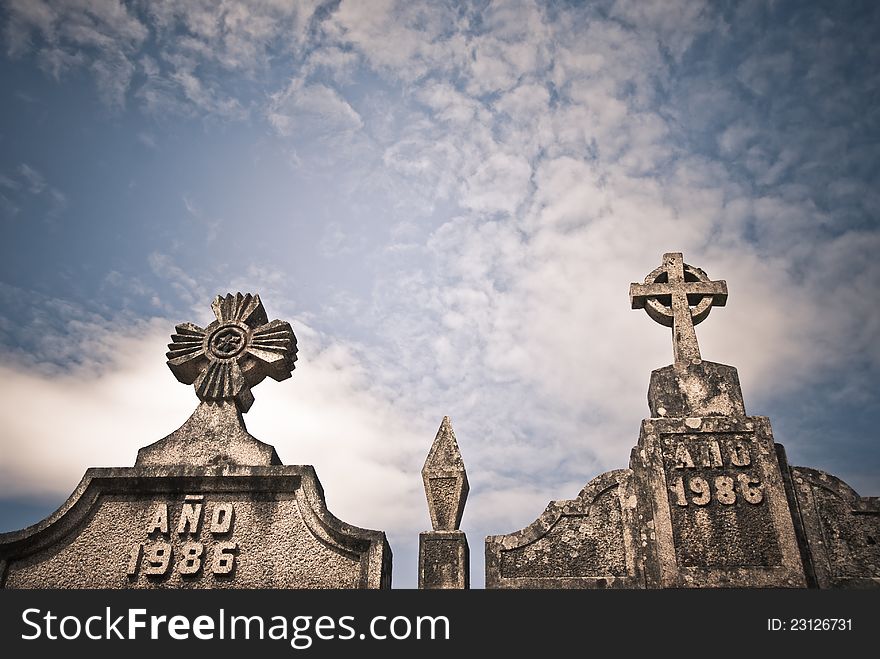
(35,181)
(27,187)
(210,225)
(188,290)
(69,35)
(303,108)
(147,139)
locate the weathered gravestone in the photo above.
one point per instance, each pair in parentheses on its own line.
(444,558)
(208,506)
(709,499)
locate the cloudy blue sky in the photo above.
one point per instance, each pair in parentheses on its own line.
(448,201)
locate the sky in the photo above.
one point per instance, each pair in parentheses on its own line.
(448,201)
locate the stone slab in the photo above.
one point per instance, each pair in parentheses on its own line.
(195,527)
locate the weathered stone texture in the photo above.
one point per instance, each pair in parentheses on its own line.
(214,435)
(667,296)
(720,512)
(842,530)
(246,527)
(445,480)
(444,560)
(587,542)
(695,389)
(444,497)
(237,351)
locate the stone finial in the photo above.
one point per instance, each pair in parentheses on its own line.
(668,294)
(445,479)
(234,353)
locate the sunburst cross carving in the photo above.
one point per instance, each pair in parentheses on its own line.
(234,353)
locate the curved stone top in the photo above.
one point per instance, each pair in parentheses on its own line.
(234,353)
(84,544)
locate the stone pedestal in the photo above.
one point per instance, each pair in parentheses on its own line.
(719,511)
(706,502)
(444,560)
(697,388)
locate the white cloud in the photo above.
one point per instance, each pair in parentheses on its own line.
(499,184)
(110,38)
(567,193)
(210,225)
(147,139)
(674,24)
(302,108)
(336,241)
(238,35)
(404,39)
(207,99)
(27,187)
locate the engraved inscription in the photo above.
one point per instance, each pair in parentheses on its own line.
(224,557)
(725,489)
(689,454)
(159,519)
(717,501)
(156,556)
(191,561)
(221,518)
(134,559)
(190,517)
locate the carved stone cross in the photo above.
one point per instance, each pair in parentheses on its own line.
(234,353)
(668,294)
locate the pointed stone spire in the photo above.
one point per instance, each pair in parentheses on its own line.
(444,557)
(445,479)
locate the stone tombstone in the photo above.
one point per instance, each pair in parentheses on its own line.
(208,506)
(444,557)
(708,500)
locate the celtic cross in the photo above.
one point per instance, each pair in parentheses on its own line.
(234,353)
(668,295)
